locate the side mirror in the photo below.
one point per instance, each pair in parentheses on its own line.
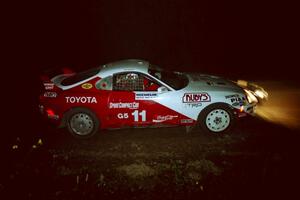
(162,89)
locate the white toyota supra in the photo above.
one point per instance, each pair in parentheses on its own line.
(135,93)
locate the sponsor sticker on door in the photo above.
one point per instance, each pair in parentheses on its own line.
(196,97)
(162,118)
(133,105)
(145,96)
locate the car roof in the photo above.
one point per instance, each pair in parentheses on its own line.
(124,66)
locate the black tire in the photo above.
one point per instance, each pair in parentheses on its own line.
(82,123)
(221,121)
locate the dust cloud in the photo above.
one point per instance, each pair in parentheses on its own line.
(283,105)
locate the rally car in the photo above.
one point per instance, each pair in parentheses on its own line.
(135,93)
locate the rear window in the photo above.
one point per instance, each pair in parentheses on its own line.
(80,76)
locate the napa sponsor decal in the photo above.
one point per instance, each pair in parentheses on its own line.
(86,86)
(133,105)
(196,97)
(85,99)
(145,96)
(161,118)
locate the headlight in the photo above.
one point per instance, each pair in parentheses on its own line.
(261,94)
(250,97)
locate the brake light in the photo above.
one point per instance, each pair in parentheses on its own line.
(50,113)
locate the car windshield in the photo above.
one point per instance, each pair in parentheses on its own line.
(176,80)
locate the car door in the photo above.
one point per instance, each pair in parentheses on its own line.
(151,112)
(134,102)
(124,109)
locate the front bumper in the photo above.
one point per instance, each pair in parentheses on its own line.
(245,110)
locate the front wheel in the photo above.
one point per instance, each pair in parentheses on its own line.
(82,123)
(216,119)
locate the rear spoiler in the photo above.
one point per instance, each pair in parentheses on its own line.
(50,73)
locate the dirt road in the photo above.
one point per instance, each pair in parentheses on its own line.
(256,159)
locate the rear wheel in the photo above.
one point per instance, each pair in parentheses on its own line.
(216,119)
(82,123)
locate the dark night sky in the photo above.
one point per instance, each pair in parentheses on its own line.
(223,37)
(235,39)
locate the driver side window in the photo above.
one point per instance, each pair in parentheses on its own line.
(128,82)
(150,85)
(131,81)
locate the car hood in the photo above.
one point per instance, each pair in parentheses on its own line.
(204,82)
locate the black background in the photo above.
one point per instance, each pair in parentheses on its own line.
(254,40)
(223,37)
(236,39)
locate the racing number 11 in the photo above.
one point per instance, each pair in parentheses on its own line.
(136,115)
